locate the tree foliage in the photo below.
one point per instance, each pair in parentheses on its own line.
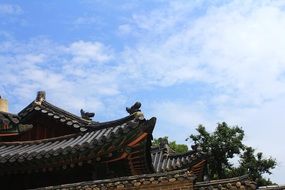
(222,145)
(226,143)
(178,148)
(255,165)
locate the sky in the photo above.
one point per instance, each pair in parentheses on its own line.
(187,62)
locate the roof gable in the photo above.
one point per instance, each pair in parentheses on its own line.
(54,114)
(58,122)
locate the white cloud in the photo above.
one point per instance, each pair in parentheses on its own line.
(67,73)
(124,29)
(237,48)
(9,9)
(227,42)
(179,119)
(84,52)
(88,20)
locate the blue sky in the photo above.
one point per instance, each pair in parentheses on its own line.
(188,62)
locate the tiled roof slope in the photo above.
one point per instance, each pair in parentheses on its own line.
(12,151)
(164,159)
(101,142)
(10,125)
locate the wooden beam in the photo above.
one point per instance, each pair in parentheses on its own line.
(124,155)
(140,138)
(8,134)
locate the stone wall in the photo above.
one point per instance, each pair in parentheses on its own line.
(237,183)
(177,180)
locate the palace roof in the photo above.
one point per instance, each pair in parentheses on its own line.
(126,140)
(44,138)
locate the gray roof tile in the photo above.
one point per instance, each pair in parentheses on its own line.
(165,160)
(13,151)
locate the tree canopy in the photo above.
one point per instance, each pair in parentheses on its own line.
(224,144)
(255,164)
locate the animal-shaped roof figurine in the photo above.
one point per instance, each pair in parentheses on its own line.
(86,115)
(134,108)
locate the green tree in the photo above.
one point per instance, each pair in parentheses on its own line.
(178,148)
(255,165)
(224,144)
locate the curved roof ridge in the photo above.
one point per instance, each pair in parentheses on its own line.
(77,122)
(60,110)
(111,123)
(188,153)
(92,125)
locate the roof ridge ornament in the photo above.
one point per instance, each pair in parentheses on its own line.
(134,108)
(86,115)
(41,96)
